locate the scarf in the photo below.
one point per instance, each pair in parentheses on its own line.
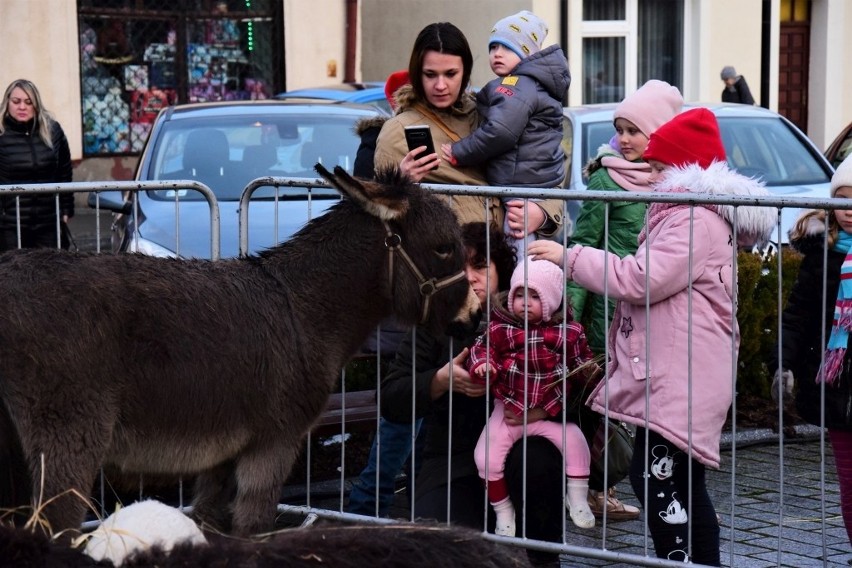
(632,176)
(835,352)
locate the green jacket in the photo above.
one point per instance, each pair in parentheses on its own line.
(625,221)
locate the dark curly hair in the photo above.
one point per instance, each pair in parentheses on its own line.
(502,253)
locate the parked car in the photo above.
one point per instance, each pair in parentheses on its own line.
(841,147)
(369,93)
(225,146)
(758,142)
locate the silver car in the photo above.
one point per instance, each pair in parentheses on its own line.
(225,146)
(759,143)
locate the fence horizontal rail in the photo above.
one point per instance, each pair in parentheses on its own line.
(764,489)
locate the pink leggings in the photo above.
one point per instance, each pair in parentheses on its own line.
(501,438)
(841,444)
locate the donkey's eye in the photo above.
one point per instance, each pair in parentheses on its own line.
(444,251)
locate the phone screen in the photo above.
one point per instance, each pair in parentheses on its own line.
(419,135)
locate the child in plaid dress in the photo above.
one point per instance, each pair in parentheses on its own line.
(521,356)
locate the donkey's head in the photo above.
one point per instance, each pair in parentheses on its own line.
(426,259)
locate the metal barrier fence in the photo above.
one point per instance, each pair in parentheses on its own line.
(777,495)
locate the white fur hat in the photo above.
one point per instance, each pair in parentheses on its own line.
(842,176)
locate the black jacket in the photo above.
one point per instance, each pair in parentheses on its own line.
(367,130)
(802,336)
(24,159)
(740,93)
(468,416)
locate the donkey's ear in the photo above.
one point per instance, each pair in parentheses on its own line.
(385,201)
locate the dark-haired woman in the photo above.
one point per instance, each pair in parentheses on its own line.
(439,68)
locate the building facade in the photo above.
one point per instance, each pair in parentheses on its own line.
(105,67)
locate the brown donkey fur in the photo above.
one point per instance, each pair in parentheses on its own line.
(349,546)
(214,369)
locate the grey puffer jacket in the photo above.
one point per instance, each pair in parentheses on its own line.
(521,136)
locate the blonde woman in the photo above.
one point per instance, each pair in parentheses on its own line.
(33,149)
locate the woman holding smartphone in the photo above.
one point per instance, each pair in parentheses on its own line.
(440,67)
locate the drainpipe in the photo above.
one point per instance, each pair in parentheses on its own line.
(351,40)
(563,35)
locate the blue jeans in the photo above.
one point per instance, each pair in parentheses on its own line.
(391,449)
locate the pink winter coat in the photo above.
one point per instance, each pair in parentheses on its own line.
(656,346)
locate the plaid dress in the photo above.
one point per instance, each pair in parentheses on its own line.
(508,348)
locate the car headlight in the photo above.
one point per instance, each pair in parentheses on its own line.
(144,246)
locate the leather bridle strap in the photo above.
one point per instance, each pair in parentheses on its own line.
(428,286)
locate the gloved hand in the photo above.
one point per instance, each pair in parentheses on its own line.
(785,377)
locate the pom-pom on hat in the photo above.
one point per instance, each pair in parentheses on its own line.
(394,81)
(842,176)
(523,33)
(728,72)
(691,137)
(546,279)
(651,106)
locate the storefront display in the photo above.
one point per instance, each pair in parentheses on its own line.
(132,57)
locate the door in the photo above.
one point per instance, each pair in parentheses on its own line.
(793,72)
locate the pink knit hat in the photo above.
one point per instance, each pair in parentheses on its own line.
(546,279)
(651,106)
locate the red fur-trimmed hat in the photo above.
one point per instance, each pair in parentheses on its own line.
(394,81)
(691,137)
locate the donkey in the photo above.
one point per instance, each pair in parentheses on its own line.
(214,369)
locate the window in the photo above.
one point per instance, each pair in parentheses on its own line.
(603,69)
(603,10)
(661,41)
(628,42)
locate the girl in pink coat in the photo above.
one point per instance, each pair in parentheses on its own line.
(525,354)
(674,336)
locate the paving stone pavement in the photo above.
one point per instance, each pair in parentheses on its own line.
(757,510)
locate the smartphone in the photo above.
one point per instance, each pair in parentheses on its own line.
(419,135)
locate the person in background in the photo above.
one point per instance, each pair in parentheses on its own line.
(618,169)
(440,67)
(683,272)
(523,356)
(431,371)
(520,139)
(33,149)
(802,330)
(368,129)
(373,491)
(736,89)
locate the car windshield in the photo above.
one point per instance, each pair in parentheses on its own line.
(227,155)
(760,147)
(766,148)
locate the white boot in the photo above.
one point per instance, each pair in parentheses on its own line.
(505,512)
(578,503)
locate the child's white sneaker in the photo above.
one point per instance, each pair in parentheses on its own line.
(577,503)
(505,513)
(581,515)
